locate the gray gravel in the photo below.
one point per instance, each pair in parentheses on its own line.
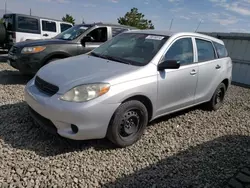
(194,148)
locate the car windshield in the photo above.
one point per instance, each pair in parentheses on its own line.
(72,33)
(131,48)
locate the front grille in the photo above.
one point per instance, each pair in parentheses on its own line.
(46,87)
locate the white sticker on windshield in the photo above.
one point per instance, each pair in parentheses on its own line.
(153,37)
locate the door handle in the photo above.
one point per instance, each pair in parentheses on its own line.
(193,72)
(218,67)
(45,35)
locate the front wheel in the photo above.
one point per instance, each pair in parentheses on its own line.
(218,97)
(128,123)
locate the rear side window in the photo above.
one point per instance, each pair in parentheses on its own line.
(116,31)
(221,50)
(205,50)
(64,27)
(48,26)
(26,23)
(8,21)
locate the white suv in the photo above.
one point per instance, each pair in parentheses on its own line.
(19,27)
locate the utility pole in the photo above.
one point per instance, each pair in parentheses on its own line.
(30,11)
(5,10)
(198,26)
(171,24)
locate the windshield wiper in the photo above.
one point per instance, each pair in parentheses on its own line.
(118,59)
(111,58)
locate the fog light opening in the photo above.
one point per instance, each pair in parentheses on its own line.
(74,128)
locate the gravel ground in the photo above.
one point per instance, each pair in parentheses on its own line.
(194,148)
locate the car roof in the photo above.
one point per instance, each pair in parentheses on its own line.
(37,17)
(107,24)
(177,34)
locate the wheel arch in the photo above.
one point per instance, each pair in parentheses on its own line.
(144,100)
(59,55)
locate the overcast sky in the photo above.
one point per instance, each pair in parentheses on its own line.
(216,15)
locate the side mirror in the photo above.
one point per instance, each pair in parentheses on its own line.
(168,64)
(86,39)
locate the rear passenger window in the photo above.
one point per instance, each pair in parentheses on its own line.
(48,26)
(182,51)
(221,50)
(26,23)
(205,50)
(116,31)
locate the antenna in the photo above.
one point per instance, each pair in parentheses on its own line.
(198,25)
(171,24)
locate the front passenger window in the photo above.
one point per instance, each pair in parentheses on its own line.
(99,34)
(181,51)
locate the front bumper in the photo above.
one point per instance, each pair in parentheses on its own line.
(91,118)
(26,63)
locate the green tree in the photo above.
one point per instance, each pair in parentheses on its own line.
(1,20)
(69,18)
(135,19)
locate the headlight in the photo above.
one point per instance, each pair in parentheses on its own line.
(84,93)
(34,49)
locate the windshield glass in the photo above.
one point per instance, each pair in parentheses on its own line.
(72,33)
(131,48)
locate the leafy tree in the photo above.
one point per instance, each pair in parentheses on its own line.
(69,18)
(1,20)
(135,19)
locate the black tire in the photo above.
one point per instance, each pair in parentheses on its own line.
(240,180)
(3,33)
(136,116)
(218,98)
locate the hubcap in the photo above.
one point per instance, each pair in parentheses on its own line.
(130,124)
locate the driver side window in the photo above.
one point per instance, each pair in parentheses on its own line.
(99,34)
(181,51)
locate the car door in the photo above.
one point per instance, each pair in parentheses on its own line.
(176,87)
(210,68)
(48,29)
(98,36)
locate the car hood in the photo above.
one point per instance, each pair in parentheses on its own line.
(82,69)
(41,42)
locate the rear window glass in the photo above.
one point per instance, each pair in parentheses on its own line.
(221,50)
(27,23)
(116,31)
(205,50)
(48,26)
(8,21)
(64,27)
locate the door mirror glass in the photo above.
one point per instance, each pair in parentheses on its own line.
(169,64)
(86,39)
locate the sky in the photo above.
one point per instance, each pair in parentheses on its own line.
(213,15)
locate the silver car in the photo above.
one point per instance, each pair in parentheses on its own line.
(130,80)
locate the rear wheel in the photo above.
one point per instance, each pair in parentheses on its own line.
(128,123)
(3,33)
(218,97)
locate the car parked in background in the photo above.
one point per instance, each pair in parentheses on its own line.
(130,80)
(20,27)
(28,57)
